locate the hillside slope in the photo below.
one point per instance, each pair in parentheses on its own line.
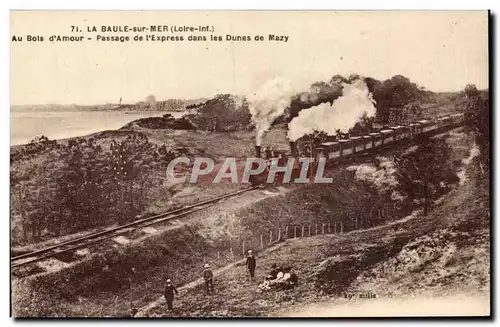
(444,254)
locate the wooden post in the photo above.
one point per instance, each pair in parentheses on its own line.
(279,234)
(316,229)
(323,228)
(218,256)
(335,229)
(294,231)
(286,231)
(243,248)
(261,241)
(232,253)
(309,228)
(302,232)
(270,237)
(329,229)
(341,227)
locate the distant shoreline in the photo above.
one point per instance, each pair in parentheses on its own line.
(169,105)
(121,109)
(62,126)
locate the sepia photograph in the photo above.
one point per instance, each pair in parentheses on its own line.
(250,164)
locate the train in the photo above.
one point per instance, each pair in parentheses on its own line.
(342,150)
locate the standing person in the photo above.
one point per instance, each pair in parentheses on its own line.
(251,264)
(169,294)
(208,276)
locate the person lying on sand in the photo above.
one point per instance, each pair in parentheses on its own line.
(266,285)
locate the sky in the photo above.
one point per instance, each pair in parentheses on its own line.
(440,50)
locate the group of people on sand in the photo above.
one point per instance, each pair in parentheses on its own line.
(278,278)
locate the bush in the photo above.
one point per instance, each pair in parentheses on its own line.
(167,121)
(38,145)
(82,186)
(223,113)
(476,105)
(428,172)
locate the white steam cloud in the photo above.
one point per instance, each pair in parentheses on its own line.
(268,103)
(343,114)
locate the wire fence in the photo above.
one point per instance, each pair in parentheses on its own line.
(262,241)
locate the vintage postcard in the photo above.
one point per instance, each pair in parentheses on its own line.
(253,164)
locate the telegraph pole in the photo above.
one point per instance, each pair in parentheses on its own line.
(119,169)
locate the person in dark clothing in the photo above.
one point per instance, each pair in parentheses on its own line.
(251,264)
(274,272)
(208,276)
(133,312)
(169,294)
(292,280)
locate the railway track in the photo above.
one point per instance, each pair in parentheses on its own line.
(84,241)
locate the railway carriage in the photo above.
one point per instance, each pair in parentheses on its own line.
(405,132)
(415,129)
(344,146)
(329,149)
(367,142)
(456,118)
(398,132)
(387,136)
(355,143)
(427,125)
(376,139)
(443,122)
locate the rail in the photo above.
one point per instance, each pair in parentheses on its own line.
(87,240)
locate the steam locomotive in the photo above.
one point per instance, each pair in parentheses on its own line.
(342,150)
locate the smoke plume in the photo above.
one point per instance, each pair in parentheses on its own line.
(319,92)
(268,103)
(343,114)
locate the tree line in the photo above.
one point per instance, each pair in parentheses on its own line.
(397,99)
